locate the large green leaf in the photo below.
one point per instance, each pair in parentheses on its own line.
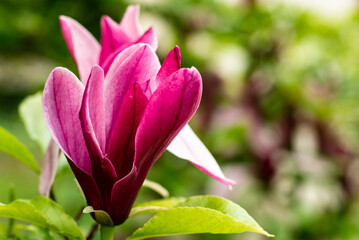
(155,206)
(31,114)
(42,212)
(10,145)
(166,202)
(200,214)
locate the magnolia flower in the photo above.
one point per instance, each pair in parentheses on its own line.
(115,39)
(87,52)
(113,129)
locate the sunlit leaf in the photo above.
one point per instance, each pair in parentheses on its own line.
(42,212)
(167,202)
(36,232)
(200,214)
(3,231)
(155,206)
(10,145)
(31,114)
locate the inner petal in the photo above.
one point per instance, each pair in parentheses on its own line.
(121,146)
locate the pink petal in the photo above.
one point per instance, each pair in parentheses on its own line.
(171,64)
(122,142)
(129,23)
(125,53)
(61,106)
(188,146)
(146,88)
(83,47)
(91,115)
(49,166)
(150,38)
(116,37)
(124,194)
(88,186)
(93,100)
(142,65)
(169,109)
(112,37)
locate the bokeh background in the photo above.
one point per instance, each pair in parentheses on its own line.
(279,110)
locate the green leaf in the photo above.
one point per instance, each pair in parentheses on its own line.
(31,114)
(200,214)
(167,202)
(37,232)
(42,212)
(147,209)
(10,145)
(155,206)
(3,231)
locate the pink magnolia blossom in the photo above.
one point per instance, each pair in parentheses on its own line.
(115,39)
(115,128)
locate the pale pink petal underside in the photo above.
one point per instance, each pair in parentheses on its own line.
(61,104)
(188,146)
(49,166)
(83,47)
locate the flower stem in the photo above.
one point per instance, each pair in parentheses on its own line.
(107,232)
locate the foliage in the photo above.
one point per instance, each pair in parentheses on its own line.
(199,214)
(42,212)
(12,146)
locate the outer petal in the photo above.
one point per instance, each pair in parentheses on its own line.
(116,37)
(61,105)
(150,38)
(171,64)
(120,55)
(142,65)
(112,37)
(49,167)
(124,194)
(88,186)
(169,109)
(188,146)
(83,47)
(129,23)
(122,142)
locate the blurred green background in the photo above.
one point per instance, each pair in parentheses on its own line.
(279,109)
